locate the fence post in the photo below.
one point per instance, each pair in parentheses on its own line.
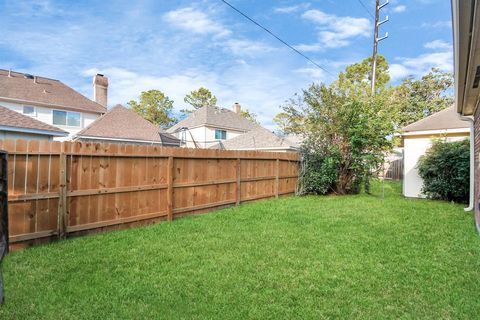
(170,173)
(277,180)
(237,184)
(62,200)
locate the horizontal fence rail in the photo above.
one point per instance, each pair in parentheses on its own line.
(60,188)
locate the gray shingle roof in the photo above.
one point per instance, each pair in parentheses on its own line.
(257,139)
(445,119)
(44,91)
(13,119)
(215,117)
(122,123)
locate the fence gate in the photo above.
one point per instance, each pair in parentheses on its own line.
(3,214)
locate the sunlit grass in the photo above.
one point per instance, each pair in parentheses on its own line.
(308,257)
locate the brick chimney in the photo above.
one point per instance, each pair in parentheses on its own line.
(237,108)
(100,89)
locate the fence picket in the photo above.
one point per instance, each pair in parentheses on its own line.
(62,188)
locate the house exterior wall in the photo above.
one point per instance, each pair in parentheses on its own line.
(204,136)
(414,148)
(45,114)
(22,135)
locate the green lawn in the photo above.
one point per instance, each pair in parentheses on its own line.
(307,257)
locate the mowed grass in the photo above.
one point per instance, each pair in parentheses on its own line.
(296,257)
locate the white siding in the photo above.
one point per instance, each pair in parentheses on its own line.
(205,136)
(46,115)
(414,148)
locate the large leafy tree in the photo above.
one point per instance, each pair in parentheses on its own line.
(199,98)
(416,99)
(155,107)
(354,82)
(346,128)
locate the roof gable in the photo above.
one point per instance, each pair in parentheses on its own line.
(122,123)
(442,120)
(13,119)
(215,117)
(259,138)
(15,86)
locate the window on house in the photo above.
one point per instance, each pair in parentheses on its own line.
(29,111)
(66,118)
(220,134)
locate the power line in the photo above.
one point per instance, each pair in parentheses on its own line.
(276,37)
(366,9)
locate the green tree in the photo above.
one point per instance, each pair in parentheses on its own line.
(249,115)
(416,99)
(354,82)
(199,98)
(155,107)
(346,130)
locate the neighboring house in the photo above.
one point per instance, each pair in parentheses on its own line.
(417,139)
(14,125)
(122,125)
(206,126)
(51,101)
(466,36)
(259,139)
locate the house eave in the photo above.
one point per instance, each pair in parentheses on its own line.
(49,105)
(124,140)
(33,131)
(466,24)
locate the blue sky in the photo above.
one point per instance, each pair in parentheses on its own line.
(178,46)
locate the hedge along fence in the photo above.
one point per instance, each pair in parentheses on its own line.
(63,188)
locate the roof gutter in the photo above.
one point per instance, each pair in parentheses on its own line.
(471,200)
(34,131)
(124,140)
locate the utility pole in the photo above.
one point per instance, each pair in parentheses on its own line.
(376,39)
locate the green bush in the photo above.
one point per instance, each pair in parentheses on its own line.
(445,170)
(320,170)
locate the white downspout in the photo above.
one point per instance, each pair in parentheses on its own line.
(472,163)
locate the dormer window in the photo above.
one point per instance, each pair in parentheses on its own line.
(29,111)
(66,118)
(220,134)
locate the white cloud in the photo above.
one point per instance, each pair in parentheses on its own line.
(314,74)
(420,65)
(259,90)
(291,9)
(437,24)
(438,44)
(335,31)
(34,8)
(244,47)
(309,47)
(399,9)
(195,21)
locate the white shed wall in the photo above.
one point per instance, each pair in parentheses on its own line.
(414,148)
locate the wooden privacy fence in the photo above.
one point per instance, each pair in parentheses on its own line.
(61,188)
(394,170)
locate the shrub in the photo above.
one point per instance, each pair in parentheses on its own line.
(445,170)
(320,170)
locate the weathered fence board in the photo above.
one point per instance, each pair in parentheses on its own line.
(57,189)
